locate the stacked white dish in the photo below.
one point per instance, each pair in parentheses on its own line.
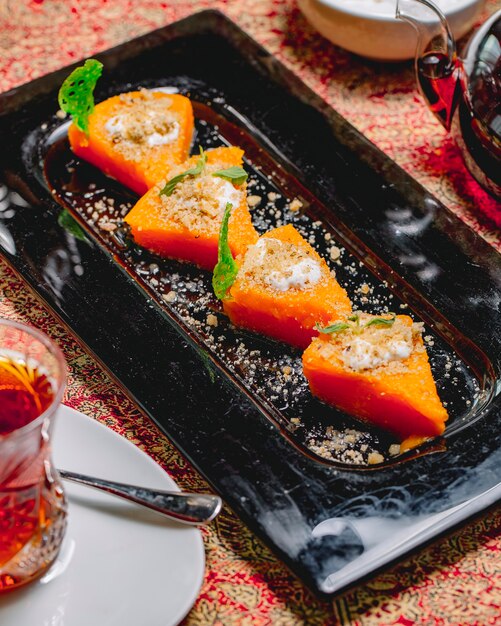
(369,27)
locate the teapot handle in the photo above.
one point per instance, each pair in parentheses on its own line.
(436,63)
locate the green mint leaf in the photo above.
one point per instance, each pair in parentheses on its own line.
(356,328)
(169,187)
(76,96)
(226,269)
(198,169)
(381,321)
(334,328)
(168,190)
(70,225)
(236,174)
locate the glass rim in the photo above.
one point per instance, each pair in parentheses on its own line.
(63,368)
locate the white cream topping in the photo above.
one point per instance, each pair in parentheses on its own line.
(362,355)
(257,252)
(228,193)
(303,274)
(400,350)
(165,89)
(115,125)
(281,266)
(156,139)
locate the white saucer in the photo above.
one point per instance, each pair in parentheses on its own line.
(119,564)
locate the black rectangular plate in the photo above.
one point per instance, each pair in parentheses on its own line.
(331,520)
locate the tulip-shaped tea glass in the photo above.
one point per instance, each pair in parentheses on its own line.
(32,502)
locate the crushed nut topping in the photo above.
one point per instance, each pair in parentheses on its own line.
(253,201)
(295,205)
(280,266)
(198,202)
(368,348)
(141,122)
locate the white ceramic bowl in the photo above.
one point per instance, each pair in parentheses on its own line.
(373,31)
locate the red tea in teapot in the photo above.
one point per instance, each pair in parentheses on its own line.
(464,94)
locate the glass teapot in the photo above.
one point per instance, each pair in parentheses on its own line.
(464,94)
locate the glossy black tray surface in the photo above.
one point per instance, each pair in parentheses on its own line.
(325,493)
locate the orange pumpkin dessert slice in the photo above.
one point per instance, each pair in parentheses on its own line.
(283,287)
(182,219)
(136,137)
(377,369)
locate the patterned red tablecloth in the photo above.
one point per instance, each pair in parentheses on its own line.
(456,581)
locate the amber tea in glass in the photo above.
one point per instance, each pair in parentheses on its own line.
(32,503)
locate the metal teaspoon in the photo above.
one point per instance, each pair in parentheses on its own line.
(187,508)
